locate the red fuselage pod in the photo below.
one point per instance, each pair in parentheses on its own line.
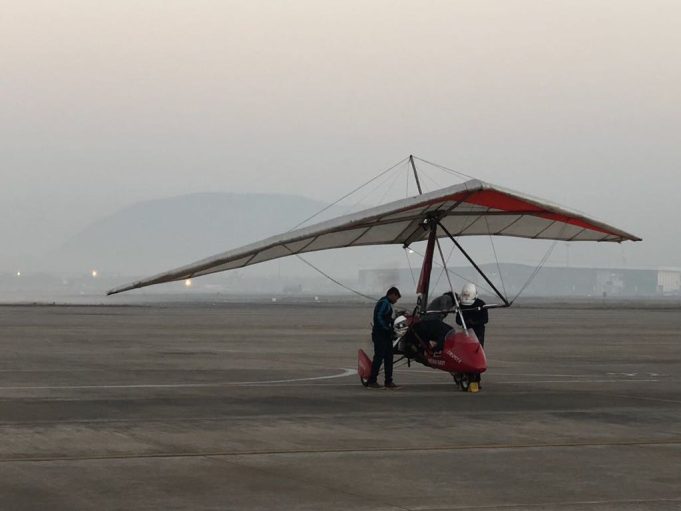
(462,353)
(363,365)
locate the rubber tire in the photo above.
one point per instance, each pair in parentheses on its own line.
(461,381)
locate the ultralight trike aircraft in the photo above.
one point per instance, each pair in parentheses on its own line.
(467,209)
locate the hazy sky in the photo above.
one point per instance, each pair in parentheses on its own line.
(104,103)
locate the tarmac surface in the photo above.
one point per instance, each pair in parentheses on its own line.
(223,406)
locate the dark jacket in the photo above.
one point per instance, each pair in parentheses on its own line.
(383,316)
(476,317)
(474,314)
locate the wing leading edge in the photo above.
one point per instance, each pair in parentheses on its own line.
(468,209)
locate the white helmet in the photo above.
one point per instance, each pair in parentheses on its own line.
(400,325)
(468,294)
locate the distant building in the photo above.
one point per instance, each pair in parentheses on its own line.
(669,281)
(550,281)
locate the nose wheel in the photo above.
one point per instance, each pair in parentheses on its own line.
(467,382)
(462,381)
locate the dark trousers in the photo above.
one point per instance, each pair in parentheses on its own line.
(480,334)
(383,354)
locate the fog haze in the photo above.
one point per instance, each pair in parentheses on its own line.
(107,104)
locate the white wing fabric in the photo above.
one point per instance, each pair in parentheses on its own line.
(468,209)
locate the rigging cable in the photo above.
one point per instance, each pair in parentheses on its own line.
(406,175)
(371,190)
(536,270)
(541,263)
(348,194)
(439,277)
(389,187)
(358,293)
(411,270)
(431,179)
(494,250)
(319,270)
(444,264)
(446,169)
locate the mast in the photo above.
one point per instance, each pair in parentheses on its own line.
(426,269)
(416,176)
(427,266)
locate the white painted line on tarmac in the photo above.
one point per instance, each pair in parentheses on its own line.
(431,383)
(577,381)
(432,371)
(647,398)
(297,382)
(551,505)
(346,372)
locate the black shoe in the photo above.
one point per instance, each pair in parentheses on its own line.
(374,385)
(392,386)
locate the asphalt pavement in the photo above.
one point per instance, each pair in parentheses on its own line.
(250,407)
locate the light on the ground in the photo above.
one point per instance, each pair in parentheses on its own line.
(188,283)
(94,273)
(18,274)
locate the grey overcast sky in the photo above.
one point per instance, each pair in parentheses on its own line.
(104,103)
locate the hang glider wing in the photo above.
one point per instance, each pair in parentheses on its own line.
(468,209)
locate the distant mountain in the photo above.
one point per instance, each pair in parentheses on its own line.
(160,234)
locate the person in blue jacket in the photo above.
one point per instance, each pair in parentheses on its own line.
(382,337)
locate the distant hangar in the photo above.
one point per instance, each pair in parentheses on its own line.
(550,281)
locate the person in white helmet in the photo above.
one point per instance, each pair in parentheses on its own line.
(475,314)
